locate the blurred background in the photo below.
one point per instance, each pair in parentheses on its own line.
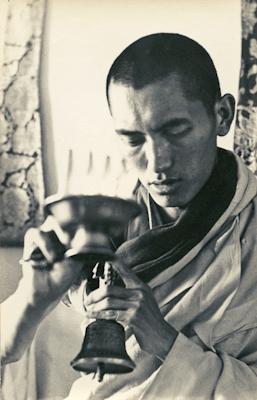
(54,58)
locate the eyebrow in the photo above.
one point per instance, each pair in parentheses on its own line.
(172,123)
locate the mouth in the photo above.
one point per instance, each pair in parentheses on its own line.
(164,186)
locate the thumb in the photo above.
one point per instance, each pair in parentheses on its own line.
(128,276)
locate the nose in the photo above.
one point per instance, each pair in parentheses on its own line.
(159,155)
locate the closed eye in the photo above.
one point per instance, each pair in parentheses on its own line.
(132,139)
(177,131)
(135,141)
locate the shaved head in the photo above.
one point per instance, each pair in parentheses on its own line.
(156,56)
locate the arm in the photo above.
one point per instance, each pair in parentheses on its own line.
(191,372)
(20,319)
(39,291)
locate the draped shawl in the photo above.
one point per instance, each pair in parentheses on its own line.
(209,295)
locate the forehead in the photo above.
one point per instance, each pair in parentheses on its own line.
(151,105)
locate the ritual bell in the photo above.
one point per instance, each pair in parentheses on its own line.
(103,350)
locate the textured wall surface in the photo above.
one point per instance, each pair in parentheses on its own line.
(246,124)
(21,178)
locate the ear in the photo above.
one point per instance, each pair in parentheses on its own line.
(224,110)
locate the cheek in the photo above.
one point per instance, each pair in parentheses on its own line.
(198,162)
(200,144)
(196,156)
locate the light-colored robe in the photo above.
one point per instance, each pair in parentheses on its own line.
(215,353)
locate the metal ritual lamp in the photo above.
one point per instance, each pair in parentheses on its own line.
(89,221)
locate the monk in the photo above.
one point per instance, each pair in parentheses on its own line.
(189,261)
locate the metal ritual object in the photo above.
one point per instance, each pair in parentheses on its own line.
(104,349)
(89,222)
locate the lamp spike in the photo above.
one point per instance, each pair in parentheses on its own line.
(69,172)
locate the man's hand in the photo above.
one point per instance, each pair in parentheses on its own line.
(136,307)
(47,278)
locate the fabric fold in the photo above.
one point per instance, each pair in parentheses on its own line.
(201,296)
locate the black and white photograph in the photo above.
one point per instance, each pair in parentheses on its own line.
(128,199)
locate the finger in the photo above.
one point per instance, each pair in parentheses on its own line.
(51,246)
(109,292)
(123,316)
(39,245)
(51,224)
(39,263)
(129,278)
(112,304)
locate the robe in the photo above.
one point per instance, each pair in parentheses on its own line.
(209,296)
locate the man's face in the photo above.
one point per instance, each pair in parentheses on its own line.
(168,139)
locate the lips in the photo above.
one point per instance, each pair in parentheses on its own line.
(164,186)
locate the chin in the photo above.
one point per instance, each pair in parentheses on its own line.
(166,201)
